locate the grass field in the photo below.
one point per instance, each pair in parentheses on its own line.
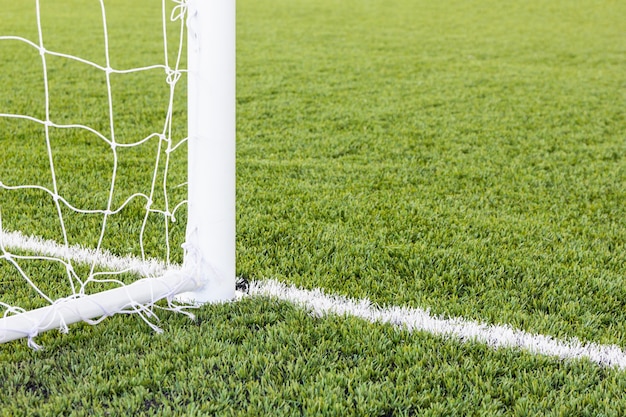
(465,157)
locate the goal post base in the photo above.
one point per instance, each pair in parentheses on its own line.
(67,311)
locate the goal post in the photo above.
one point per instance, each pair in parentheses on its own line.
(211,131)
(207,273)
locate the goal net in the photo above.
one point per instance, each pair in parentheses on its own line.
(116,159)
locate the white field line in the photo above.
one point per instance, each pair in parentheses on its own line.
(320,304)
(16,240)
(416,319)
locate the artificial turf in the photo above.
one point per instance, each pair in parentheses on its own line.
(466,157)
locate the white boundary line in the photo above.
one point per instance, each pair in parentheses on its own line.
(80,254)
(320,304)
(416,319)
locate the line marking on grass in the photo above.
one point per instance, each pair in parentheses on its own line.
(416,319)
(320,303)
(77,253)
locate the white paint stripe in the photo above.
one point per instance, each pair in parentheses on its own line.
(320,303)
(80,254)
(415,319)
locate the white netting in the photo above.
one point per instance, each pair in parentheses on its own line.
(93,139)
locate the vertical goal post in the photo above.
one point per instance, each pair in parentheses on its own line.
(208,270)
(211,131)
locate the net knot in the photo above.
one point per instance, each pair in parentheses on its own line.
(32,334)
(179,11)
(172,76)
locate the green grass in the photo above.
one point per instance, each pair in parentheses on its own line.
(259,357)
(466,157)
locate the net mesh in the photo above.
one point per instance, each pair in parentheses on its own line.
(92,132)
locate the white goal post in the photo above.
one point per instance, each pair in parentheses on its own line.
(208,270)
